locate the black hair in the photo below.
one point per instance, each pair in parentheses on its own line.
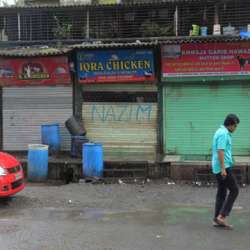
(231,119)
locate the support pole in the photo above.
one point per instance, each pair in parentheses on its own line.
(19,26)
(87,25)
(176,21)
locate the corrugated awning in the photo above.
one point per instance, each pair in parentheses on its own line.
(201,39)
(77,5)
(50,51)
(114,45)
(153,43)
(33,51)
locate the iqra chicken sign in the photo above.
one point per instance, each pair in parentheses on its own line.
(34,71)
(111,66)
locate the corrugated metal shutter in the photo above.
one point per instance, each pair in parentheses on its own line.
(192,113)
(26,109)
(128,131)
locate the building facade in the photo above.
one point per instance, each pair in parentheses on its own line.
(151,81)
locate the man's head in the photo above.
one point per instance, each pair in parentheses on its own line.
(231,122)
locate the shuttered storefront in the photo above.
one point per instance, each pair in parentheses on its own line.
(192,113)
(26,109)
(119,106)
(123,118)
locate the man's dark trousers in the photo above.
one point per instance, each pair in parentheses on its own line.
(224,203)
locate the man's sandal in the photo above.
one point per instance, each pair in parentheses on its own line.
(222,224)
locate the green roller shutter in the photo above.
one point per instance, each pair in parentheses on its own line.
(192,113)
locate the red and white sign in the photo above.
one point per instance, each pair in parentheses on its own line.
(210,59)
(34,71)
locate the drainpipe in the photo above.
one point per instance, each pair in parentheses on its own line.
(176,21)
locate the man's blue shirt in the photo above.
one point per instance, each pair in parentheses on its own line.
(222,140)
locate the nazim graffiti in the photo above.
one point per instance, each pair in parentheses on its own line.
(122,112)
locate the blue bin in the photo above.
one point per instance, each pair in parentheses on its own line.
(92,161)
(50,134)
(37,162)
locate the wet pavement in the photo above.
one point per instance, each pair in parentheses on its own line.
(154,216)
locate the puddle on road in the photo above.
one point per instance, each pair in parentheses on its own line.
(157,216)
(162,215)
(79,214)
(10,214)
(8,229)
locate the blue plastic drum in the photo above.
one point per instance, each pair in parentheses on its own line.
(50,134)
(37,162)
(92,161)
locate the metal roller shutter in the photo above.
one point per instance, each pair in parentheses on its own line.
(192,113)
(26,109)
(128,131)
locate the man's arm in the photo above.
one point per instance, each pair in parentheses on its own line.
(221,159)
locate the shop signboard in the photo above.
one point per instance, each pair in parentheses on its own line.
(209,60)
(114,66)
(34,71)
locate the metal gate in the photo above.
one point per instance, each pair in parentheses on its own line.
(26,109)
(192,113)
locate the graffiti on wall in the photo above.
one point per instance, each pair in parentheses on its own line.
(122,113)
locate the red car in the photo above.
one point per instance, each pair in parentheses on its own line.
(11,175)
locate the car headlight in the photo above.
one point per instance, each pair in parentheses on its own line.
(3,171)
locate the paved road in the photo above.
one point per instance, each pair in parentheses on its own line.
(85,216)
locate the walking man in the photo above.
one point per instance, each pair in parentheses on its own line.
(222,164)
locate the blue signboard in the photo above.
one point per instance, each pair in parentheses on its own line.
(102,66)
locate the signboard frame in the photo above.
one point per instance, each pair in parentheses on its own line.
(115,66)
(52,70)
(206,61)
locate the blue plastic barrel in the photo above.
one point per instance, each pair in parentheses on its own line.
(50,134)
(37,162)
(92,161)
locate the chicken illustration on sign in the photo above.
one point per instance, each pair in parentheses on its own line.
(33,71)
